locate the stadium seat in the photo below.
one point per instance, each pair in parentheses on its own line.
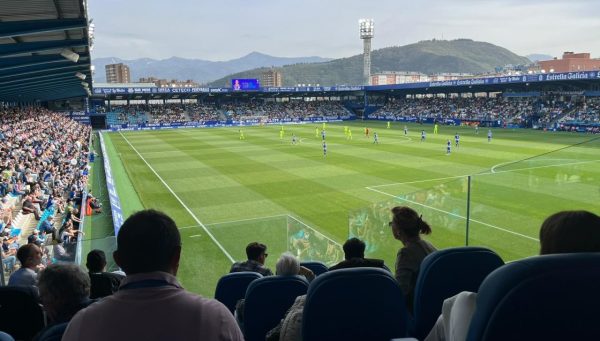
(232,287)
(53,333)
(316,267)
(444,274)
(551,297)
(267,301)
(21,315)
(6,337)
(354,304)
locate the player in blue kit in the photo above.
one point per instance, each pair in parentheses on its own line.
(456,140)
(448,147)
(375,138)
(423,135)
(489,135)
(405,130)
(323,134)
(324,149)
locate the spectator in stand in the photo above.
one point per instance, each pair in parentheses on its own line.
(288,265)
(8,255)
(64,290)
(407,226)
(102,283)
(60,253)
(354,256)
(257,254)
(151,304)
(562,232)
(30,257)
(29,207)
(47,227)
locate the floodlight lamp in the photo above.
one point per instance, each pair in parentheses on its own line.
(70,55)
(366,28)
(80,75)
(551,70)
(543,71)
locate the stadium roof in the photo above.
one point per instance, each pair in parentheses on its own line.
(44,44)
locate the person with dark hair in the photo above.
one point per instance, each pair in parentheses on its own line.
(257,254)
(407,226)
(562,232)
(570,231)
(30,257)
(354,256)
(102,283)
(151,304)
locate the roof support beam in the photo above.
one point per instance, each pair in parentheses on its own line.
(43,70)
(21,48)
(55,78)
(13,29)
(12,63)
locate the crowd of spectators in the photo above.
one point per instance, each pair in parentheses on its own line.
(513,110)
(264,112)
(43,170)
(585,116)
(519,111)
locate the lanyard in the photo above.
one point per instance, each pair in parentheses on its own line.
(148,283)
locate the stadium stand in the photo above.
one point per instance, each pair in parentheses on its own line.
(44,172)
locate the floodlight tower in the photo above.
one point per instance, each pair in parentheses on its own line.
(366,33)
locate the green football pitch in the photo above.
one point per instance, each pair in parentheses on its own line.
(225,192)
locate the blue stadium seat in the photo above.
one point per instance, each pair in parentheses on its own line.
(444,274)
(354,304)
(6,337)
(21,315)
(267,301)
(316,267)
(551,297)
(232,287)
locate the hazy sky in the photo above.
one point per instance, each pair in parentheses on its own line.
(228,29)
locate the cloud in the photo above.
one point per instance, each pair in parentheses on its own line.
(232,28)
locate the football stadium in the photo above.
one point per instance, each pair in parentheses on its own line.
(446,207)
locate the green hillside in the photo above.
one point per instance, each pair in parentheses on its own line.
(431,56)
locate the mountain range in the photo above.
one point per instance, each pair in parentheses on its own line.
(429,57)
(539,56)
(201,71)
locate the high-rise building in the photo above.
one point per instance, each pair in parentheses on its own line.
(271,78)
(117,73)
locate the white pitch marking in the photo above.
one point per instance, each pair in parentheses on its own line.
(485,173)
(188,227)
(180,201)
(301,222)
(249,219)
(455,215)
(196,236)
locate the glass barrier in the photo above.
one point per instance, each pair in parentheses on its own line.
(280,234)
(442,205)
(510,202)
(107,244)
